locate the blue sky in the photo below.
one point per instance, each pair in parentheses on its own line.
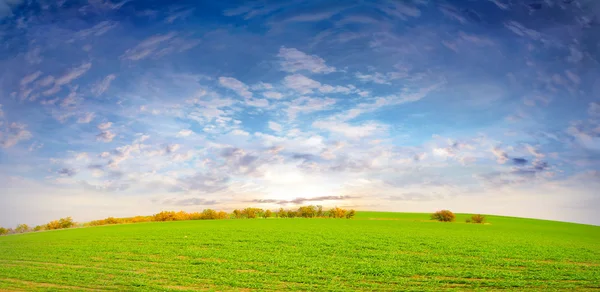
(133,107)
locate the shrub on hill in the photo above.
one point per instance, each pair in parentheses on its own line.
(478,218)
(282,213)
(350,214)
(267,214)
(237,214)
(337,213)
(22,228)
(291,214)
(62,223)
(443,216)
(307,211)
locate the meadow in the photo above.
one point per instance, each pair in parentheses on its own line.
(374,251)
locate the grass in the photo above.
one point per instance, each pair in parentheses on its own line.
(375,251)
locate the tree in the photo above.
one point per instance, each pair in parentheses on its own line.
(337,213)
(250,213)
(3,231)
(39,228)
(320,212)
(267,214)
(237,213)
(66,222)
(222,215)
(22,228)
(282,213)
(307,211)
(209,214)
(291,213)
(350,214)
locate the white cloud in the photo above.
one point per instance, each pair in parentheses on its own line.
(573,77)
(73,74)
(500,4)
(30,78)
(100,87)
(521,30)
(305,105)
(86,118)
(97,30)
(46,81)
(294,60)
(235,85)
(272,95)
(257,102)
(105,136)
(275,126)
(262,86)
(184,133)
(334,89)
(159,45)
(239,132)
(350,131)
(15,133)
(301,83)
(501,155)
(105,126)
(400,10)
(594,109)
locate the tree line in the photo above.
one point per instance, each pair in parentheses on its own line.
(207,214)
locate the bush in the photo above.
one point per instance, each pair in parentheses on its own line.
(468,220)
(320,212)
(237,214)
(39,228)
(337,213)
(66,222)
(307,211)
(3,231)
(478,218)
(22,228)
(267,214)
(281,213)
(251,213)
(350,214)
(291,214)
(222,215)
(443,216)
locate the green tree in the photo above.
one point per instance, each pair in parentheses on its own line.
(3,231)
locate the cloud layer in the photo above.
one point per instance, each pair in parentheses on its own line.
(487,107)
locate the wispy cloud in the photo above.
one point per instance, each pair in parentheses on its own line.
(293,60)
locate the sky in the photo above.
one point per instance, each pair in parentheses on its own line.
(134,107)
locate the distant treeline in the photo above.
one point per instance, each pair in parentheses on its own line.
(208,214)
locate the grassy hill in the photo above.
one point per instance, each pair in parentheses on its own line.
(375,251)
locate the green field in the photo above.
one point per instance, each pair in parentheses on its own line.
(375,251)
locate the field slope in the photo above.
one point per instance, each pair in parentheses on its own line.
(375,251)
